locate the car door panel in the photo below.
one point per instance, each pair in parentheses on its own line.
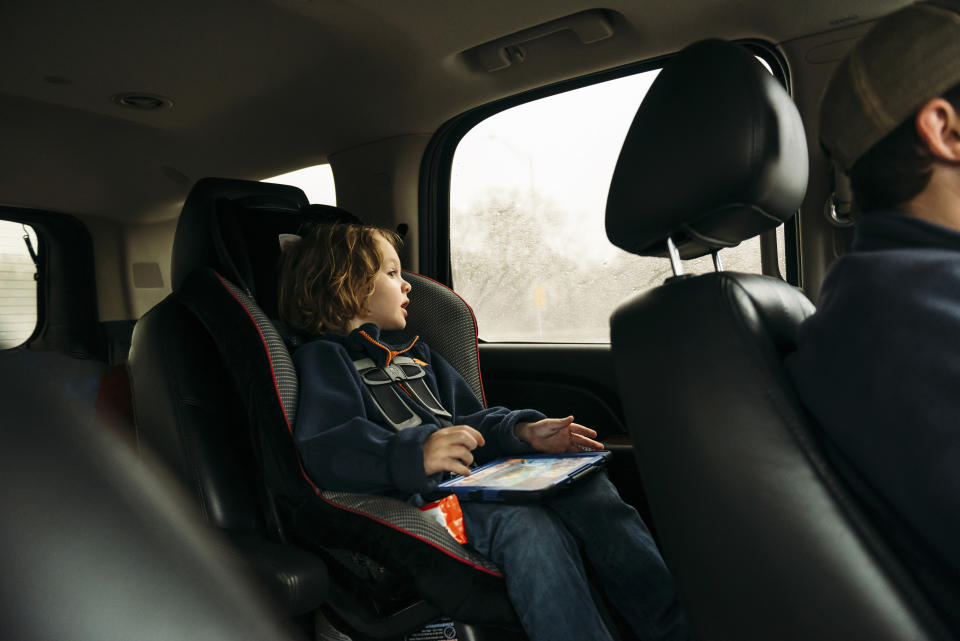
(564,379)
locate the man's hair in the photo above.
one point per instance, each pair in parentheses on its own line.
(328,275)
(897,168)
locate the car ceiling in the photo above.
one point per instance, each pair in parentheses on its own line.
(260,87)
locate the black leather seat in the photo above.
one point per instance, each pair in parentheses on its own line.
(763,538)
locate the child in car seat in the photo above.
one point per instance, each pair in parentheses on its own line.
(342,285)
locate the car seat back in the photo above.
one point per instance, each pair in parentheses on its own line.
(187,409)
(255,364)
(764,538)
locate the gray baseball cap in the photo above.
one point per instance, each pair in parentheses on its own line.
(909,57)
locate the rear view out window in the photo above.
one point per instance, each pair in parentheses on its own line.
(18,285)
(528,195)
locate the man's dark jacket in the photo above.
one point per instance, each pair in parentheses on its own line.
(878,367)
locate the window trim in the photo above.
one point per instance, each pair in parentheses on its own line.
(67,306)
(436,166)
(11,215)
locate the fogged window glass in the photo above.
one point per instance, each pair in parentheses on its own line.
(527,198)
(18,285)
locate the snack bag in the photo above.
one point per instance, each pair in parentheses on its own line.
(447,513)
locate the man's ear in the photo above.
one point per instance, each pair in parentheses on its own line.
(938,125)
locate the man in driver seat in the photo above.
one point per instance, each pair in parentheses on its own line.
(879,363)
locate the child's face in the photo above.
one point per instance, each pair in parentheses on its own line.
(387,304)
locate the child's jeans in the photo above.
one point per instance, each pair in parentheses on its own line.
(537,545)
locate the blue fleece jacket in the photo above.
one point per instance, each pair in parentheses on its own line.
(346,444)
(878,366)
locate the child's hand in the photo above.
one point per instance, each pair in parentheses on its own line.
(558,436)
(448,450)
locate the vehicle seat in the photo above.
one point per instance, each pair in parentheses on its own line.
(240,241)
(186,411)
(763,538)
(97,546)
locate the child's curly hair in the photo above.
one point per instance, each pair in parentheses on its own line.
(328,275)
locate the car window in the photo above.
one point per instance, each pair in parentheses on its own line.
(18,285)
(528,191)
(316,182)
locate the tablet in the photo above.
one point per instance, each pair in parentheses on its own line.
(524,478)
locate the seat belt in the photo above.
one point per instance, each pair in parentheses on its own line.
(386,383)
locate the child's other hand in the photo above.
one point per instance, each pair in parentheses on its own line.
(558,436)
(448,450)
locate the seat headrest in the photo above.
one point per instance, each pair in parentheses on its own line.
(194,242)
(233,226)
(716,154)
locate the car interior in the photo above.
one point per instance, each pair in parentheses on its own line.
(619,212)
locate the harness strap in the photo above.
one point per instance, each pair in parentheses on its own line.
(385,384)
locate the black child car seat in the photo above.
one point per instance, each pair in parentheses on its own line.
(392,569)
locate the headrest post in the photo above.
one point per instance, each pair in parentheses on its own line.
(674,257)
(839,205)
(717,265)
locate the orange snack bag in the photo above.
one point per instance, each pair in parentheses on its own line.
(447,513)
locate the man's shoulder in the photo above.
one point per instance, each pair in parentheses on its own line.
(874,298)
(907,272)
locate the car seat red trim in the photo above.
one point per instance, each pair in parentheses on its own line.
(411,534)
(273,374)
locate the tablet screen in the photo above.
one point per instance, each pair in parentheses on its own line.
(535,473)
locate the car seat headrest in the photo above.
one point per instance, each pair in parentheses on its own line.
(326,215)
(716,154)
(234,226)
(194,242)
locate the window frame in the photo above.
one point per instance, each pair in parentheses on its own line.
(67,305)
(437,163)
(21,217)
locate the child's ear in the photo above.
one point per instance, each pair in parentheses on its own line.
(938,125)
